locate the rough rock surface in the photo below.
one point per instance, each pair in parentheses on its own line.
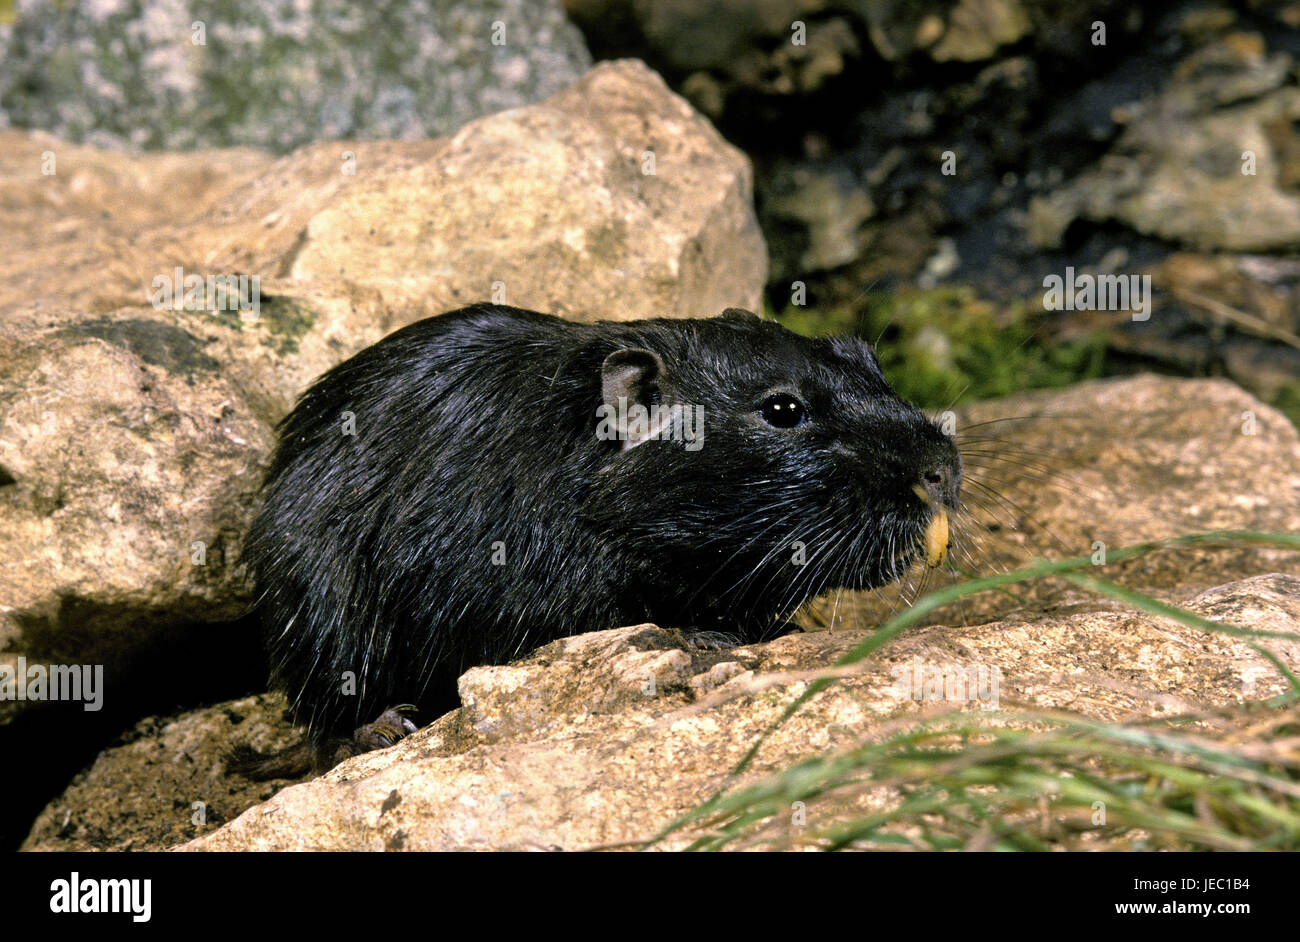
(576,747)
(130,432)
(1051,474)
(129,462)
(601,739)
(611,200)
(199,73)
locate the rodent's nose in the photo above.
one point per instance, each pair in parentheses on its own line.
(937,481)
(942,478)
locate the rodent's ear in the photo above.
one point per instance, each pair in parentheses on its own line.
(739,314)
(631,375)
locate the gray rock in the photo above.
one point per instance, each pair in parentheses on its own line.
(1179,171)
(279,74)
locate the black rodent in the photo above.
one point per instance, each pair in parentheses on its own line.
(442,499)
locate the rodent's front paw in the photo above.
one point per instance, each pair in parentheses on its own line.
(390,727)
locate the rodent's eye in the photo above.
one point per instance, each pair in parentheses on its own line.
(782,410)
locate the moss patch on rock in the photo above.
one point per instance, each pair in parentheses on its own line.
(282,320)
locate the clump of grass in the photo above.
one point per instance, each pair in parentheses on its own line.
(1032,779)
(964,780)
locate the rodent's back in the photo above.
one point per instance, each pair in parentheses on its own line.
(373,549)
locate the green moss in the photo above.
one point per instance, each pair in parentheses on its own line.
(945,346)
(282,321)
(1287,401)
(287,320)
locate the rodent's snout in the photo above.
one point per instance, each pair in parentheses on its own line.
(941,473)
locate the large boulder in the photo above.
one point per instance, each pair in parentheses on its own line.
(611,200)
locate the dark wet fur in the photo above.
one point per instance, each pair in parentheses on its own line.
(373,553)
